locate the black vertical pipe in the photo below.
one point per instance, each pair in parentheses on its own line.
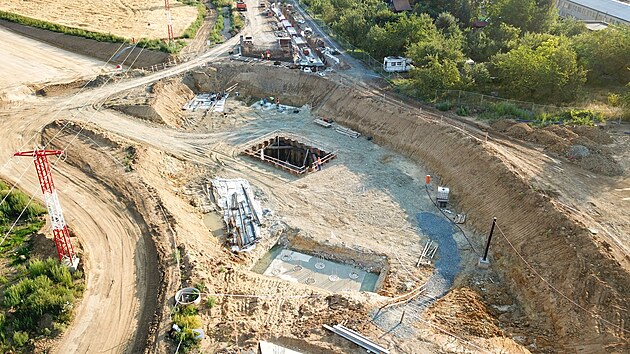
(485,254)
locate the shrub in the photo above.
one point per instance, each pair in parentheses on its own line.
(210,302)
(462,111)
(20,338)
(444,105)
(47,289)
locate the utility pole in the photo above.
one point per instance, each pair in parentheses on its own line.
(484,263)
(65,251)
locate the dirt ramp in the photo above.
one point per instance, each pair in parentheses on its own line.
(162,103)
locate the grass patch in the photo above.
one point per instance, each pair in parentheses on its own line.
(505,110)
(44,289)
(15,244)
(38,295)
(216,36)
(191,31)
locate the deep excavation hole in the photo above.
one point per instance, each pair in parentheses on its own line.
(290,154)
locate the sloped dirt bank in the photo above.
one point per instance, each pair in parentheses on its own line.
(140,268)
(162,103)
(90,47)
(484,186)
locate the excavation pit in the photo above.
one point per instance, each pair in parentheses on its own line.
(290,154)
(297,267)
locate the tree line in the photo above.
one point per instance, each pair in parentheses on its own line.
(523,50)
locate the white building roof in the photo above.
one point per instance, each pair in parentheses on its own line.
(611,7)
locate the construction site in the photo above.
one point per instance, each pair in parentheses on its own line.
(309,210)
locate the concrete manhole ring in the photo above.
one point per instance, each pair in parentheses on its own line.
(275,271)
(320,265)
(354,275)
(286,257)
(297,268)
(310,281)
(333,277)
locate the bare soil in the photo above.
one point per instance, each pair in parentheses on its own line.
(133,192)
(124,18)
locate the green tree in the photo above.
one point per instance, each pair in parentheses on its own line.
(547,72)
(527,15)
(569,27)
(478,45)
(475,77)
(435,75)
(394,37)
(352,25)
(437,46)
(606,54)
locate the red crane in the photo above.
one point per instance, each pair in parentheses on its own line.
(169,22)
(65,251)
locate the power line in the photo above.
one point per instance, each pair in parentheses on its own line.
(67,103)
(56,113)
(592,313)
(59,157)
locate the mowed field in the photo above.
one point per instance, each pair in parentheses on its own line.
(125,18)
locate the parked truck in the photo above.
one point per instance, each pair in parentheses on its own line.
(241,5)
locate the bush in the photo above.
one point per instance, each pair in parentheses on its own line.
(444,106)
(187,318)
(210,302)
(236,21)
(462,111)
(577,117)
(20,338)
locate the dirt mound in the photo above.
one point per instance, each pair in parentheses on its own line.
(520,131)
(561,131)
(463,310)
(58,89)
(544,137)
(503,124)
(595,134)
(602,164)
(162,104)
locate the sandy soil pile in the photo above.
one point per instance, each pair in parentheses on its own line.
(559,140)
(463,310)
(128,19)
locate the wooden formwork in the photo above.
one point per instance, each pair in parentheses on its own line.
(311,156)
